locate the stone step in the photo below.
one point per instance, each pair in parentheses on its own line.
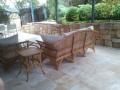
(116,42)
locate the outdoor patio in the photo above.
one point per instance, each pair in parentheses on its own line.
(59,44)
(95,71)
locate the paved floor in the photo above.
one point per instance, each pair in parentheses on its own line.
(96,71)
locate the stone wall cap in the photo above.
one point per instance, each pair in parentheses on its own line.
(116,40)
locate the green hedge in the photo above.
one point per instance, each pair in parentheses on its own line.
(72,14)
(116,12)
(103,11)
(62,10)
(85,12)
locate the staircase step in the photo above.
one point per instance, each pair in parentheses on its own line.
(116,42)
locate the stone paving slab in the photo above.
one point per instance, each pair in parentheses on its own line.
(46,85)
(17,84)
(95,71)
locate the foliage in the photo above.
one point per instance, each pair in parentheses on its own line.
(111,2)
(116,12)
(51,8)
(72,14)
(85,12)
(64,2)
(77,2)
(20,4)
(63,20)
(4,18)
(103,11)
(1,7)
(62,10)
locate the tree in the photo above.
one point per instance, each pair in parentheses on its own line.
(4,16)
(112,2)
(19,4)
(51,7)
(78,2)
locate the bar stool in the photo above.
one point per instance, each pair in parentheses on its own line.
(30,57)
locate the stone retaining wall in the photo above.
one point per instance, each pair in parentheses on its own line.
(108,33)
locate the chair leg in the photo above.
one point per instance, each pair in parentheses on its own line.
(28,67)
(82,52)
(93,48)
(41,67)
(39,60)
(19,70)
(27,76)
(55,64)
(71,59)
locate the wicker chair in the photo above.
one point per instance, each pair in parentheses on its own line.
(90,40)
(58,50)
(2,30)
(29,57)
(79,42)
(8,56)
(8,47)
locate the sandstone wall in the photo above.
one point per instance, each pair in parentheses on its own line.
(108,33)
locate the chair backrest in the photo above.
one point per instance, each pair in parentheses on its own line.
(9,51)
(2,27)
(66,42)
(11,26)
(90,37)
(79,39)
(9,40)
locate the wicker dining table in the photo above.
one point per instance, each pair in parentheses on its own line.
(28,37)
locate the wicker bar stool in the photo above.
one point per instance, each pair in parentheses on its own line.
(29,57)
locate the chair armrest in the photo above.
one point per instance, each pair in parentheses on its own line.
(33,44)
(46,45)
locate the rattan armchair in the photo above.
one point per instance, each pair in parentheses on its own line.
(58,50)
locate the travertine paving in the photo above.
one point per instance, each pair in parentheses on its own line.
(95,71)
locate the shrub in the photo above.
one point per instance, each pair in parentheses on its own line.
(4,17)
(62,10)
(63,20)
(85,12)
(72,14)
(116,12)
(103,11)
